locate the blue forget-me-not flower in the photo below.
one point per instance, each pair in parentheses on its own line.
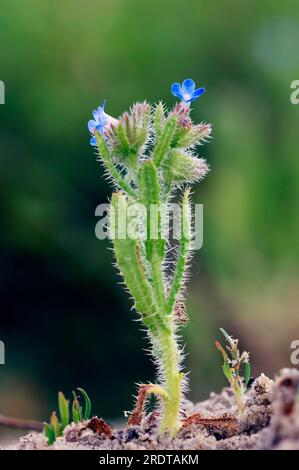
(99,122)
(186,91)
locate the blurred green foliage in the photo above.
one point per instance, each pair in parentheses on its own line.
(65,320)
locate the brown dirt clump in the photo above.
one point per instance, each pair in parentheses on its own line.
(270,421)
(283,432)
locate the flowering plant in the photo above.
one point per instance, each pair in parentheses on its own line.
(148,154)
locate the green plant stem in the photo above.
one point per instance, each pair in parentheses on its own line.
(184,250)
(170,359)
(157,280)
(105,155)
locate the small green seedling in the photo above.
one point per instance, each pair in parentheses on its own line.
(55,428)
(234,364)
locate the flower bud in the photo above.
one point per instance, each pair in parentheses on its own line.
(131,134)
(181,167)
(194,135)
(188,135)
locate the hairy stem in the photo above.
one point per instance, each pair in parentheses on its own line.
(157,280)
(105,155)
(169,349)
(170,360)
(184,249)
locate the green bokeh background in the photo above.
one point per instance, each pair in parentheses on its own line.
(65,319)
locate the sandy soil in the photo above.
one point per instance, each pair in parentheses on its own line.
(270,421)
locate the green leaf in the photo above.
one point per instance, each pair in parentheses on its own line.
(49,433)
(87,403)
(76,409)
(55,424)
(246,373)
(128,257)
(158,120)
(80,413)
(225,334)
(227,371)
(150,196)
(164,141)
(63,404)
(123,139)
(228,338)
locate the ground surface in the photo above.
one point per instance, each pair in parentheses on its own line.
(270,421)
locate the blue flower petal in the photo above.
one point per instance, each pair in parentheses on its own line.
(91,125)
(100,127)
(187,92)
(188,86)
(197,93)
(98,123)
(101,116)
(176,90)
(93,141)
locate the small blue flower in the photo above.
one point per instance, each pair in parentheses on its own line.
(186,91)
(99,121)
